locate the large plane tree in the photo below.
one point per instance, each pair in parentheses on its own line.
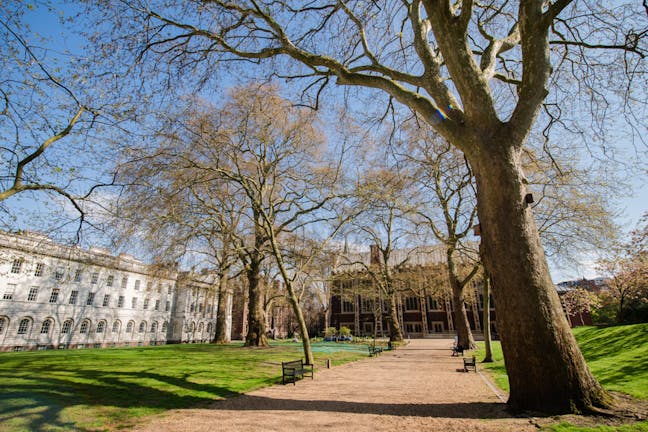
(481,73)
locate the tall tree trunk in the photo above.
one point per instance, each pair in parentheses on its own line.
(488,357)
(462,325)
(297,310)
(395,330)
(224,314)
(256,334)
(546,369)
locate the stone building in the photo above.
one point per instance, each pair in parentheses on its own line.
(54,297)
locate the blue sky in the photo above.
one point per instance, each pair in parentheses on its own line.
(631,207)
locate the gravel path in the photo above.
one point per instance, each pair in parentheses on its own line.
(417,387)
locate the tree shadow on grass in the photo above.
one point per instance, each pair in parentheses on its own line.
(37,401)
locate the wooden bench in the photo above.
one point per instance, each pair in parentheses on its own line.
(293,370)
(374,350)
(470,363)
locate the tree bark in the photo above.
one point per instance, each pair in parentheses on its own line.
(297,310)
(256,334)
(223,333)
(462,325)
(395,330)
(546,369)
(488,357)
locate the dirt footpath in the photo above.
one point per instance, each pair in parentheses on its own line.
(415,388)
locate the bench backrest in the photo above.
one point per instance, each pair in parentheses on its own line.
(295,364)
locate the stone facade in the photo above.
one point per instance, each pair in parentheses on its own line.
(54,296)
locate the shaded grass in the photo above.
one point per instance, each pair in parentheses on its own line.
(92,390)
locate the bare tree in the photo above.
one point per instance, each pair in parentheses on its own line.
(261,154)
(480,74)
(38,109)
(386,198)
(449,212)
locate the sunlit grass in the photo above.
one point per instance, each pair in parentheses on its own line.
(92,390)
(617,356)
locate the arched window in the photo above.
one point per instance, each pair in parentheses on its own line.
(129,327)
(101,325)
(154,326)
(165,326)
(85,325)
(3,324)
(209,328)
(46,326)
(116,326)
(67,325)
(200,327)
(142,327)
(23,326)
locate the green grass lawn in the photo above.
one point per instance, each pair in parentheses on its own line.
(108,389)
(617,356)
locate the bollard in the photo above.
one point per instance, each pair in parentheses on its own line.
(328,363)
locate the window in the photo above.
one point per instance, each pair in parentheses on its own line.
(40,267)
(45,328)
(200,307)
(17,264)
(9,292)
(209,328)
(412,303)
(157,305)
(124,282)
(3,324)
(101,325)
(116,326)
(59,273)
(433,304)
(109,280)
(67,325)
(149,285)
(367,305)
(77,275)
(165,326)
(142,327)
(94,278)
(73,297)
(90,299)
(54,295)
(134,303)
(413,327)
(23,326)
(169,289)
(347,306)
(129,327)
(106,300)
(137,285)
(84,327)
(120,301)
(154,327)
(146,303)
(33,294)
(167,306)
